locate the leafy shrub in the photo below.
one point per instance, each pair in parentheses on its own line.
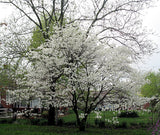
(96,121)
(71,123)
(44,114)
(70,111)
(101,124)
(60,122)
(134,124)
(10,121)
(40,122)
(43,122)
(122,125)
(23,121)
(143,125)
(3,121)
(128,114)
(6,121)
(35,121)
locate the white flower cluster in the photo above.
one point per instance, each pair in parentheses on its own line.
(113,121)
(82,115)
(98,115)
(72,70)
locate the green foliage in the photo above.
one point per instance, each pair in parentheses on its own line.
(39,36)
(128,114)
(43,122)
(96,121)
(34,121)
(156,109)
(123,125)
(7,79)
(23,121)
(71,123)
(101,124)
(6,121)
(152,87)
(60,122)
(44,114)
(40,122)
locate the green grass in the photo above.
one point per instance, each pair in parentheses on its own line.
(143,119)
(15,129)
(135,126)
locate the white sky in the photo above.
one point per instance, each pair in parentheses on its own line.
(151,21)
(5,11)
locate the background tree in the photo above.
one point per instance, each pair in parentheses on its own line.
(152,87)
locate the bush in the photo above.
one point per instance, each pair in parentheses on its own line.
(6,121)
(40,122)
(128,114)
(71,123)
(43,122)
(101,124)
(23,121)
(10,121)
(60,122)
(35,121)
(96,121)
(44,114)
(122,125)
(3,121)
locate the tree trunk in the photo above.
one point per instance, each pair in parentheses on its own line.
(51,115)
(82,125)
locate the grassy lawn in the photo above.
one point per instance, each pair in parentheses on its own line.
(143,119)
(133,126)
(16,129)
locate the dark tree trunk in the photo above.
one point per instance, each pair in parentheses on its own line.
(51,115)
(82,124)
(14,112)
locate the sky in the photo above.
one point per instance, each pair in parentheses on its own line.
(151,20)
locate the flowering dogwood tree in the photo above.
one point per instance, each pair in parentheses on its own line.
(72,70)
(114,22)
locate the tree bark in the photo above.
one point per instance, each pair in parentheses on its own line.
(51,115)
(82,125)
